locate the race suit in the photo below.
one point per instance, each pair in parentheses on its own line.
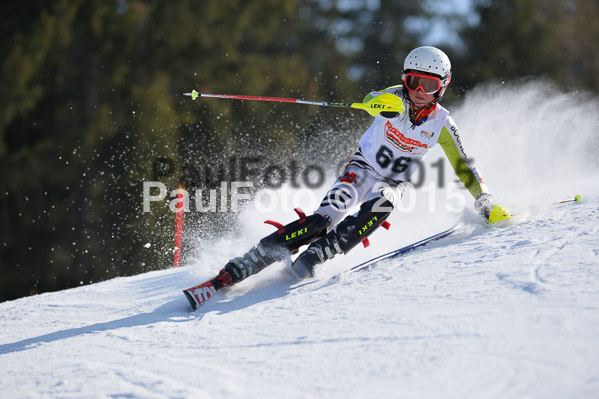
(390,153)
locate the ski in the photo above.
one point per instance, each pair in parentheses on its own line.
(398,252)
(459,226)
(199,294)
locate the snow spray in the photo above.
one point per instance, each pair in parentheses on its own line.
(532,141)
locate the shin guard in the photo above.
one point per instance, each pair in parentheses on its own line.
(349,233)
(277,246)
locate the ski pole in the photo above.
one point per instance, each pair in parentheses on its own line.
(577,198)
(385,102)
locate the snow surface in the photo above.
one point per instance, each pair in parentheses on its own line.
(509,312)
(505,313)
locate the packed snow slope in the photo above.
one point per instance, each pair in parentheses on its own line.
(490,313)
(504,312)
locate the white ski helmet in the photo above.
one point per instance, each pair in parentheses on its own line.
(429,60)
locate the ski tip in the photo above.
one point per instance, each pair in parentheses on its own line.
(578,198)
(199,294)
(192,301)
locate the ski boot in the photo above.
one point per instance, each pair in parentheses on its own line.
(346,235)
(274,247)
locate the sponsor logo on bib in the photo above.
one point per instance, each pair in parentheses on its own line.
(399,141)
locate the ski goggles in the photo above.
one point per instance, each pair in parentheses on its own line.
(425,83)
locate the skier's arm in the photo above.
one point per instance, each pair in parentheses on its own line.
(451,142)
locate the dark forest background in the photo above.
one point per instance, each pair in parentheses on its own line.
(91,104)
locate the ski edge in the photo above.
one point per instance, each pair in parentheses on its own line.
(398,252)
(198,295)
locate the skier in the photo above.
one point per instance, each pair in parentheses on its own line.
(389,154)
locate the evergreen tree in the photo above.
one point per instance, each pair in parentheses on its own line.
(532,38)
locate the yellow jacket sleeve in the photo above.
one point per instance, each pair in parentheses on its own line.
(451,142)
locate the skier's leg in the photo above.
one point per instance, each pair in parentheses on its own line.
(349,233)
(346,192)
(274,248)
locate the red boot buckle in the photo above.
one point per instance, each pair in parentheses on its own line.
(225,279)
